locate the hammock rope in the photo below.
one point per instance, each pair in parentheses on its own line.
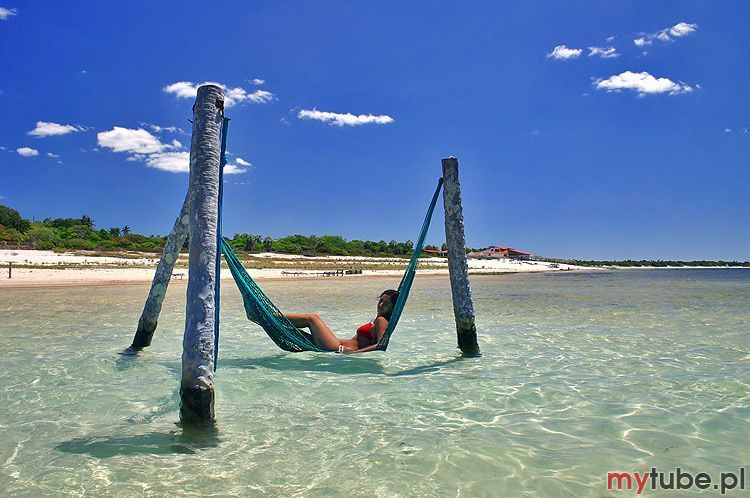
(260,309)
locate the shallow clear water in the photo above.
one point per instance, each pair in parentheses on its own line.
(581,374)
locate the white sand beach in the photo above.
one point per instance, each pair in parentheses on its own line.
(47,268)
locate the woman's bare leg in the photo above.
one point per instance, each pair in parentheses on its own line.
(322,335)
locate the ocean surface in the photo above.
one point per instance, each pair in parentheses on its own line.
(581,374)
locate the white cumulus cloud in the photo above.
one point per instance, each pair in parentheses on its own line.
(603,52)
(642,83)
(682,29)
(174,162)
(343,119)
(6,13)
(242,162)
(561,52)
(179,162)
(232,96)
(233,169)
(27,152)
(138,141)
(679,30)
(47,129)
(145,147)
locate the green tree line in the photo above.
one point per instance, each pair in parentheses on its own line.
(71,233)
(81,233)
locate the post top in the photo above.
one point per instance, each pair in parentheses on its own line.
(211,91)
(207,85)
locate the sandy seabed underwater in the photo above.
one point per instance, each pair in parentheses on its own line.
(581,374)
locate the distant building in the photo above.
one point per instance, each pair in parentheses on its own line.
(501,252)
(432,252)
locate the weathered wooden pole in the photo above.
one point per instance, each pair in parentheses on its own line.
(197,386)
(10,269)
(463,308)
(162,277)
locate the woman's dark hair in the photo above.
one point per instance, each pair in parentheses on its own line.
(393,295)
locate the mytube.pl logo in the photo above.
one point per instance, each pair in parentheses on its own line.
(677,480)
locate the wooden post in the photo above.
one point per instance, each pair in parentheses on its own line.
(463,308)
(197,385)
(10,269)
(162,277)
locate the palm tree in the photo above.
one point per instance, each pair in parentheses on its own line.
(267,244)
(313,243)
(126,230)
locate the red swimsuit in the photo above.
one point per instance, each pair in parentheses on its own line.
(365,332)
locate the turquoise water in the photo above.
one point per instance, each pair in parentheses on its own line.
(581,374)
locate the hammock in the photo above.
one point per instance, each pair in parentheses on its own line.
(261,310)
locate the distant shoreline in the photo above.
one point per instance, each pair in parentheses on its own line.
(47,269)
(32,268)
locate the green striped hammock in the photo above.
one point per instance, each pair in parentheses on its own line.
(262,311)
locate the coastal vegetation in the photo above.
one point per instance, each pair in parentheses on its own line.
(61,234)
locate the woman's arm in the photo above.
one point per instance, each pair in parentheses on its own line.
(380,325)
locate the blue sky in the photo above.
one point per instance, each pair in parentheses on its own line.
(603,130)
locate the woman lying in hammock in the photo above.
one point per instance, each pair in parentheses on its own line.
(367,336)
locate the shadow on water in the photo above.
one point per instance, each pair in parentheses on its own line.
(429,368)
(337,364)
(186,439)
(126,362)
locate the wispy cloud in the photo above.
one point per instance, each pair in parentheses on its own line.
(232,96)
(642,84)
(561,52)
(27,152)
(257,81)
(679,30)
(145,147)
(52,154)
(603,52)
(160,129)
(343,119)
(47,129)
(6,13)
(242,162)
